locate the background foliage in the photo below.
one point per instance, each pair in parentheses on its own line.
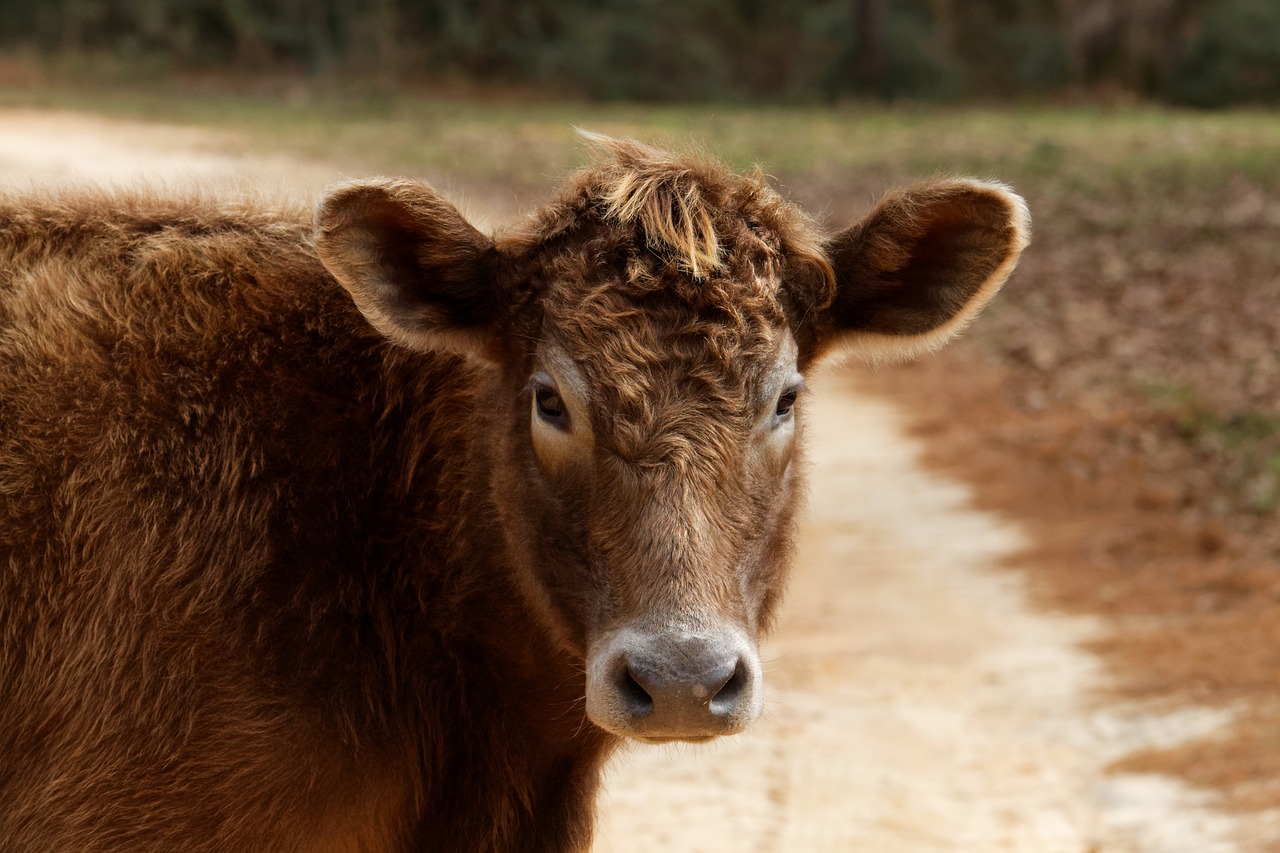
(1200,52)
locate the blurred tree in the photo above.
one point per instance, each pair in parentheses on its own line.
(1195,51)
(1232,55)
(871,49)
(1129,42)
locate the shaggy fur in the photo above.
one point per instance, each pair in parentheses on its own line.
(280,569)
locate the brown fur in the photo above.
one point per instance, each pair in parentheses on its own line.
(277,576)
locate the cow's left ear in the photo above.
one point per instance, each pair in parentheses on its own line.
(920,267)
(418,271)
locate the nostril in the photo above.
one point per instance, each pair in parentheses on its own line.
(726,698)
(635,698)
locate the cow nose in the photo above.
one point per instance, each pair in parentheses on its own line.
(685,688)
(651,686)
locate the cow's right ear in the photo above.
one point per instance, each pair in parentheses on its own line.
(418,271)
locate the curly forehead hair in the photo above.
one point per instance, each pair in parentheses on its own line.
(642,221)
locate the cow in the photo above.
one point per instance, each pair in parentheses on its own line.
(365,530)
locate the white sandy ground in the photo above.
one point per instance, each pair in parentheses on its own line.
(916,702)
(68,149)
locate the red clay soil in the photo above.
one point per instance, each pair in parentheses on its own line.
(1193,599)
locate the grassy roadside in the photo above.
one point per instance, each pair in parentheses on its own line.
(1122,397)
(1087,148)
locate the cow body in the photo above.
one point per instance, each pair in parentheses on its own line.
(307,540)
(214,473)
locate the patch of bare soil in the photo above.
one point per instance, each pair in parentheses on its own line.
(39,148)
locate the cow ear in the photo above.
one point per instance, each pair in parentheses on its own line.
(418,271)
(917,270)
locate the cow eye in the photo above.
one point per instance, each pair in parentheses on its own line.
(550,407)
(786,402)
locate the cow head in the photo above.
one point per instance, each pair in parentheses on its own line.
(648,335)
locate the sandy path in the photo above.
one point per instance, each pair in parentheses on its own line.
(917,703)
(43,148)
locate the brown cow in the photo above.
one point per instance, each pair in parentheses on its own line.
(278,574)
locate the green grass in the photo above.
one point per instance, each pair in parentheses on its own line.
(1086,147)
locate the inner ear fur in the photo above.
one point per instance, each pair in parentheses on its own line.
(917,270)
(418,271)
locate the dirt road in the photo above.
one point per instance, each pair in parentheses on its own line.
(917,702)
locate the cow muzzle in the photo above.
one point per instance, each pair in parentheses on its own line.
(674,685)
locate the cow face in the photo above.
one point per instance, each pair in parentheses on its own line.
(649,335)
(666,449)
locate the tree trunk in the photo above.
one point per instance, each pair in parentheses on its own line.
(871,50)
